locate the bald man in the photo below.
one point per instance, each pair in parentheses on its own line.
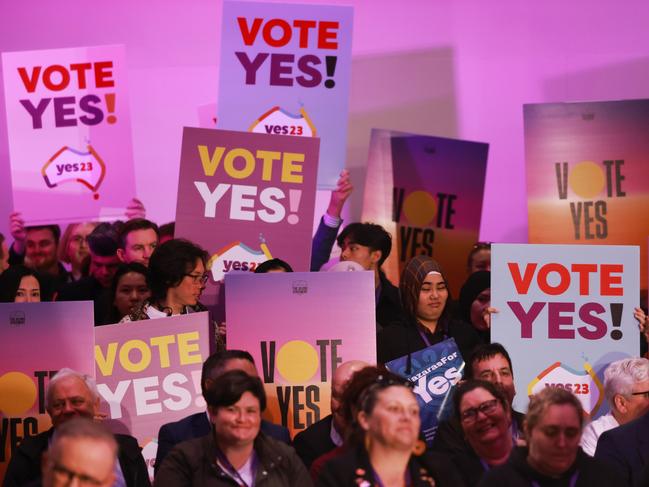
(327,434)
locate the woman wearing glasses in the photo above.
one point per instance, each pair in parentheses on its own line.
(176,279)
(485,417)
(383,448)
(552,456)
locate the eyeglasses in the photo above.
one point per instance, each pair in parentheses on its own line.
(471,414)
(67,475)
(643,393)
(199,278)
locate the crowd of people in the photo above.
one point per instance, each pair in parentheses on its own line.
(135,270)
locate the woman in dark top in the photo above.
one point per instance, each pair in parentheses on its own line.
(425,298)
(552,457)
(20,284)
(474,306)
(383,447)
(486,418)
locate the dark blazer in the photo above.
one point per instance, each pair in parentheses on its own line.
(353,468)
(193,463)
(25,464)
(314,441)
(196,426)
(626,449)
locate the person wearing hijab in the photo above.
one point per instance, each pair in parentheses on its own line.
(426,321)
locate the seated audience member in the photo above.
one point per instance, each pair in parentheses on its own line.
(138,238)
(4,254)
(273,265)
(36,248)
(71,395)
(82,453)
(426,317)
(485,416)
(167,232)
(198,425)
(479,258)
(552,456)
(383,445)
(626,387)
(626,450)
(128,291)
(102,242)
(18,284)
(328,433)
(176,278)
(235,451)
(489,362)
(475,304)
(325,236)
(73,248)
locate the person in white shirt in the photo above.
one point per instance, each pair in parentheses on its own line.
(626,387)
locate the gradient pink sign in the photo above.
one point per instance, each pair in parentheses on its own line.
(299,327)
(38,339)
(148,374)
(69,133)
(247,198)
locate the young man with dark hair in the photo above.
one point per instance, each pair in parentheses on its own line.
(138,238)
(489,362)
(198,424)
(102,242)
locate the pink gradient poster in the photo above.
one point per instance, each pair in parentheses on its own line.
(69,133)
(38,339)
(587,172)
(437,185)
(247,198)
(299,327)
(148,374)
(286,69)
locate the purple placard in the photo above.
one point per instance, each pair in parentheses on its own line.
(246,198)
(37,339)
(149,374)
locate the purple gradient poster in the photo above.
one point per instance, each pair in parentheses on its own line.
(149,374)
(285,69)
(247,198)
(587,172)
(299,327)
(69,133)
(437,185)
(38,339)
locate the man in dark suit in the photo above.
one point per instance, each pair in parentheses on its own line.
(328,433)
(198,425)
(492,363)
(626,449)
(71,395)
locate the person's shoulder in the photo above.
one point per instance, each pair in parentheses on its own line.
(276,431)
(317,428)
(35,444)
(128,445)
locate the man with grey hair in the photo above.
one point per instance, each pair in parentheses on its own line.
(626,387)
(70,395)
(81,451)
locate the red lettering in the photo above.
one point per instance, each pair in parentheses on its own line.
(584,271)
(50,84)
(607,280)
(285,36)
(249,34)
(81,73)
(103,74)
(327,37)
(30,82)
(522,283)
(564,279)
(303,26)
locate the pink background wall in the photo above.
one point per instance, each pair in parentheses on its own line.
(455,69)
